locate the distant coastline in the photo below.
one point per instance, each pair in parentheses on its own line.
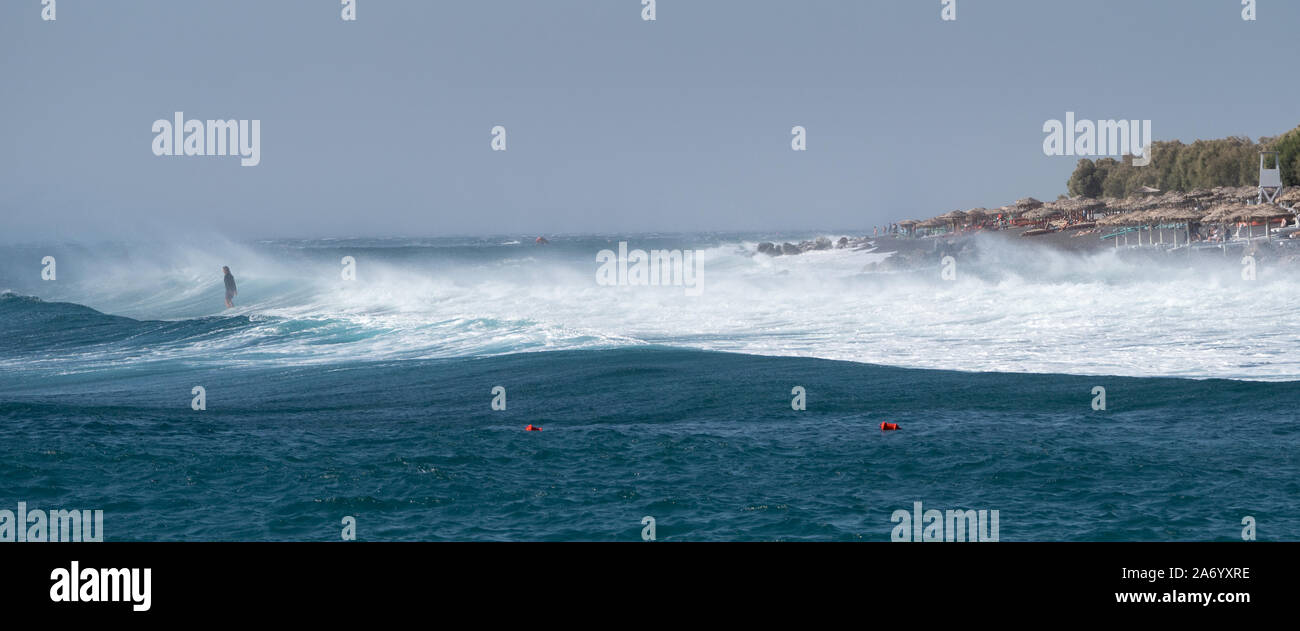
(1219,220)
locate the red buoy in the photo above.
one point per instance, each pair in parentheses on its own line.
(532,428)
(888,427)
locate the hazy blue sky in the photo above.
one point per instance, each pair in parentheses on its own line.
(381,126)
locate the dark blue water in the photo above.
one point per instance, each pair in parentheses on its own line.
(705,442)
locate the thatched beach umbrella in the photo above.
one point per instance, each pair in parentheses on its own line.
(1290,197)
(1260,212)
(1028,203)
(1041,213)
(1221,213)
(933,222)
(954,218)
(1079,206)
(1173,199)
(1229,194)
(1255,212)
(908,226)
(1111,220)
(1143,219)
(1088,203)
(1221,195)
(1132,204)
(1119,220)
(1149,202)
(1157,217)
(1225,214)
(1106,208)
(1153,216)
(1181,215)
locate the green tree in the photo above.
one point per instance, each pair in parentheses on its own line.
(1174,166)
(1084,182)
(1288,146)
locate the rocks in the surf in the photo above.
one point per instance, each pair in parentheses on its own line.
(820,243)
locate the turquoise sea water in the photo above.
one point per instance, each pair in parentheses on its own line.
(312,417)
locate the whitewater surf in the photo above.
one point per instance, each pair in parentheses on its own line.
(1012,308)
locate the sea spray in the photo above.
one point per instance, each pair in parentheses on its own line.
(1014,306)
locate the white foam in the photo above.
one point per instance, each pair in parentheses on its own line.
(1016,310)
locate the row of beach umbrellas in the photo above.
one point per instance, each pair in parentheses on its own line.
(1222,213)
(1224,204)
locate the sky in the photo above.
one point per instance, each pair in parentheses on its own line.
(382,126)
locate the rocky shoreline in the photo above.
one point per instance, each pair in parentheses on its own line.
(821,243)
(910,254)
(905,253)
(1196,222)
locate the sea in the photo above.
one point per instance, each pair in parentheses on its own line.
(382,388)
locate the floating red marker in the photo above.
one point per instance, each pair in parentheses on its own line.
(888,427)
(532,428)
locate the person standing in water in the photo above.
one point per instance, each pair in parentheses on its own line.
(231,292)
